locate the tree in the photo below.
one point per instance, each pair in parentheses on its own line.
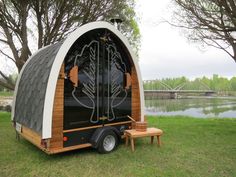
(212,23)
(233,83)
(48,21)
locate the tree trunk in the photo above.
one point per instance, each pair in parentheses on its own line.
(8,86)
(234,50)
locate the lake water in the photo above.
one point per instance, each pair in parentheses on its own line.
(203,107)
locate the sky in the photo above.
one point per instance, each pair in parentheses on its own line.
(165,52)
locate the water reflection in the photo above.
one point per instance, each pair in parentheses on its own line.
(197,107)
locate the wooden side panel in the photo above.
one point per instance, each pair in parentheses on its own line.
(31,136)
(136,113)
(56,142)
(54,151)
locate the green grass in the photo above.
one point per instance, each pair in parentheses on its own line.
(191,147)
(6,94)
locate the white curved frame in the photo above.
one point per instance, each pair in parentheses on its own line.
(52,80)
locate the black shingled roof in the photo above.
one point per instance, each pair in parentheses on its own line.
(32,86)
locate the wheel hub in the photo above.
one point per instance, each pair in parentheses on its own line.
(109,143)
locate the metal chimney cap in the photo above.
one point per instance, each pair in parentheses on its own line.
(116,20)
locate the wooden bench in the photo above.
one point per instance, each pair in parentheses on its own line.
(150,132)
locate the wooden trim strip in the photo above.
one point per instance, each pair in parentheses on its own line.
(84,128)
(97,126)
(118,123)
(59,150)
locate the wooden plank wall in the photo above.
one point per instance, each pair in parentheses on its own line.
(56,142)
(31,136)
(136,113)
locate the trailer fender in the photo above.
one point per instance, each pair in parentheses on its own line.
(95,139)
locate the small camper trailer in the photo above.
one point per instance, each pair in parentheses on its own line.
(79,92)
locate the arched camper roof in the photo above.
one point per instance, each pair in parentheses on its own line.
(36,84)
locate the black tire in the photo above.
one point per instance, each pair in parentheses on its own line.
(108,142)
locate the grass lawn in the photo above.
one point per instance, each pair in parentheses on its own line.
(6,94)
(191,147)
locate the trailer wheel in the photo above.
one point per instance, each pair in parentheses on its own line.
(108,142)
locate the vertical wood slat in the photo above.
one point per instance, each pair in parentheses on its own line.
(56,142)
(136,113)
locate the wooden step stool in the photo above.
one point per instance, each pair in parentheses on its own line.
(150,132)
